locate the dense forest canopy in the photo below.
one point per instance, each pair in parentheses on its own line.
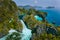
(8,16)
(9,19)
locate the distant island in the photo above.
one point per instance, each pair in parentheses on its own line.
(28,6)
(50,7)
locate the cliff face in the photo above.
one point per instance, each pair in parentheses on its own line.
(9,20)
(41,30)
(8,17)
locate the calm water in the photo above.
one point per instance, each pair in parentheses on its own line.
(26,33)
(53,15)
(10,32)
(38,18)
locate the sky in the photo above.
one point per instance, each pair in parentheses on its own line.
(43,3)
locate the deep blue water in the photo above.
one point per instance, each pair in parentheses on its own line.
(53,15)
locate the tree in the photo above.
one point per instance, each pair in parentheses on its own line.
(9,17)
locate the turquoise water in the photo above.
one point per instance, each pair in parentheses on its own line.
(3,38)
(53,15)
(38,18)
(10,32)
(26,33)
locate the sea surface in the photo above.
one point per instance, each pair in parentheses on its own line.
(53,14)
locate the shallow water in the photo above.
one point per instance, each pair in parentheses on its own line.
(53,15)
(25,32)
(38,18)
(10,32)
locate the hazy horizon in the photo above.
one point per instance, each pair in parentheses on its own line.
(43,3)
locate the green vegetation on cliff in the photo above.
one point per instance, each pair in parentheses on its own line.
(8,17)
(9,20)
